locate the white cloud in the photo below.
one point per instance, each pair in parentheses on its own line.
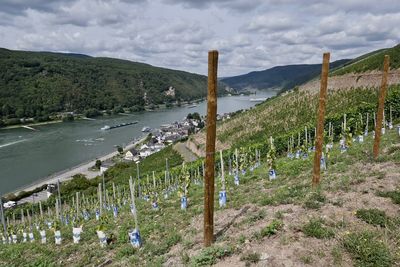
(250,35)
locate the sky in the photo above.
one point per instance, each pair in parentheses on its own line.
(250,35)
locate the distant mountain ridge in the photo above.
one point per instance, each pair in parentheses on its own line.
(280,77)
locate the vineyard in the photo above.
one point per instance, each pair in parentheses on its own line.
(259,213)
(267,212)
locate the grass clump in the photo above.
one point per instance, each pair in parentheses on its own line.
(315,200)
(284,195)
(210,255)
(250,258)
(394,195)
(367,250)
(373,216)
(256,217)
(316,228)
(270,230)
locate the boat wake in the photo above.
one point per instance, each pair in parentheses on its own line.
(12,143)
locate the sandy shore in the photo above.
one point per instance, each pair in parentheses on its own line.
(67,174)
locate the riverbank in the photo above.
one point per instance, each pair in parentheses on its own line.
(30,124)
(66,175)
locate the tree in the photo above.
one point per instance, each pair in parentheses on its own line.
(120,150)
(98,164)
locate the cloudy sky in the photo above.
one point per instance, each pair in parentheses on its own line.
(249,34)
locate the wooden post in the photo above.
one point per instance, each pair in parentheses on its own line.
(382,95)
(104,188)
(132,189)
(77,204)
(59,200)
(57,212)
(321,119)
(100,193)
(2,217)
(222,171)
(41,209)
(138,180)
(210,148)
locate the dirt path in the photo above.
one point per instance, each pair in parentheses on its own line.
(187,155)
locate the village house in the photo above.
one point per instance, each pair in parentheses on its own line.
(131,154)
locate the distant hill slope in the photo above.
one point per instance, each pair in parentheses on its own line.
(284,115)
(36,84)
(371,61)
(285,77)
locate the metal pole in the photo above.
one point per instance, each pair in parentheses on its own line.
(321,120)
(210,149)
(382,95)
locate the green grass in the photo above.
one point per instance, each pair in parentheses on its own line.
(394,195)
(316,228)
(367,250)
(271,229)
(250,258)
(210,255)
(373,216)
(315,200)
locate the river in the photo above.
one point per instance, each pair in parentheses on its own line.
(27,156)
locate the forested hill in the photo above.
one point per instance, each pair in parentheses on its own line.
(34,84)
(281,77)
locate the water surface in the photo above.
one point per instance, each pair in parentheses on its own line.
(27,156)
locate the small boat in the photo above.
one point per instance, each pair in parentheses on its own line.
(105,127)
(146,129)
(192,106)
(261,99)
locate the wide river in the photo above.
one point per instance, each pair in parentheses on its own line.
(27,156)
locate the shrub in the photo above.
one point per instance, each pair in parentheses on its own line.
(77,184)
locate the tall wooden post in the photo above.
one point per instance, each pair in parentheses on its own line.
(321,120)
(210,148)
(382,95)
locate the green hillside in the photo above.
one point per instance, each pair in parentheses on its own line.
(281,77)
(371,61)
(38,84)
